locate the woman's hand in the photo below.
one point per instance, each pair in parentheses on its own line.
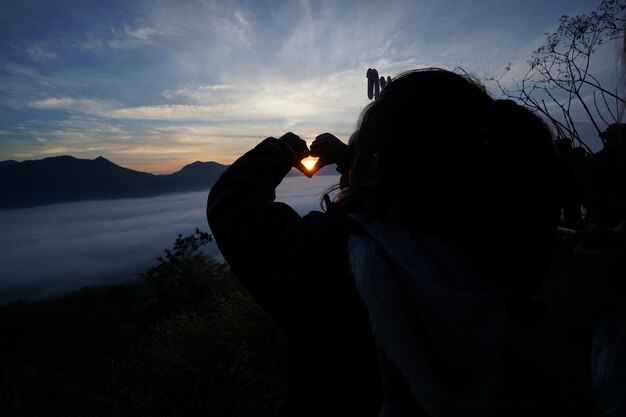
(329,149)
(300,150)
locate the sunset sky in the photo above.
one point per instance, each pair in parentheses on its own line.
(153,85)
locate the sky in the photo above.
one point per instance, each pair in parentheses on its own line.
(51,250)
(154,85)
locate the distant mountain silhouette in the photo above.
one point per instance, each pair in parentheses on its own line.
(9,162)
(62,179)
(65,178)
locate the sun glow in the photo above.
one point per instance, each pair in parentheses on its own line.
(309,162)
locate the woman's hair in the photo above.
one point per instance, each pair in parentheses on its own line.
(437,152)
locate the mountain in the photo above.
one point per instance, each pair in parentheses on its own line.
(61,179)
(9,162)
(65,178)
(195,176)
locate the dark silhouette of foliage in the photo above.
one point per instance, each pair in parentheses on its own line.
(184,274)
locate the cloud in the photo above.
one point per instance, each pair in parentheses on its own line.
(329,98)
(127,36)
(199,94)
(39,53)
(138,36)
(21,84)
(83,105)
(174,112)
(50,250)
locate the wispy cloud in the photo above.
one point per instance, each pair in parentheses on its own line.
(331,97)
(19,73)
(127,36)
(199,94)
(83,105)
(39,53)
(130,37)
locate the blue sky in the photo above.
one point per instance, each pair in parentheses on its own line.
(154,85)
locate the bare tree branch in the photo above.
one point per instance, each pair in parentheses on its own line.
(558,78)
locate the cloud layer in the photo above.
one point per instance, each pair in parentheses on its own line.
(53,249)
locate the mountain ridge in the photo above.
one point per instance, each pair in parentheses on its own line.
(65,178)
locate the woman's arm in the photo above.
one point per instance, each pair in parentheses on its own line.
(277,254)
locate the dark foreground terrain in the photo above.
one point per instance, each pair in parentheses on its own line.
(186,339)
(547,366)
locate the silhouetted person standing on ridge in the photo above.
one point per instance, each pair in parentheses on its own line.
(394,298)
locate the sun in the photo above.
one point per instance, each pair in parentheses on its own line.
(309,162)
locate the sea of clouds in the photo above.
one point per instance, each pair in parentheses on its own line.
(50,250)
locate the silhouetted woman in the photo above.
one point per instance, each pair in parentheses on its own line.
(395,298)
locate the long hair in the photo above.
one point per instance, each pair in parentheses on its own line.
(435,151)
